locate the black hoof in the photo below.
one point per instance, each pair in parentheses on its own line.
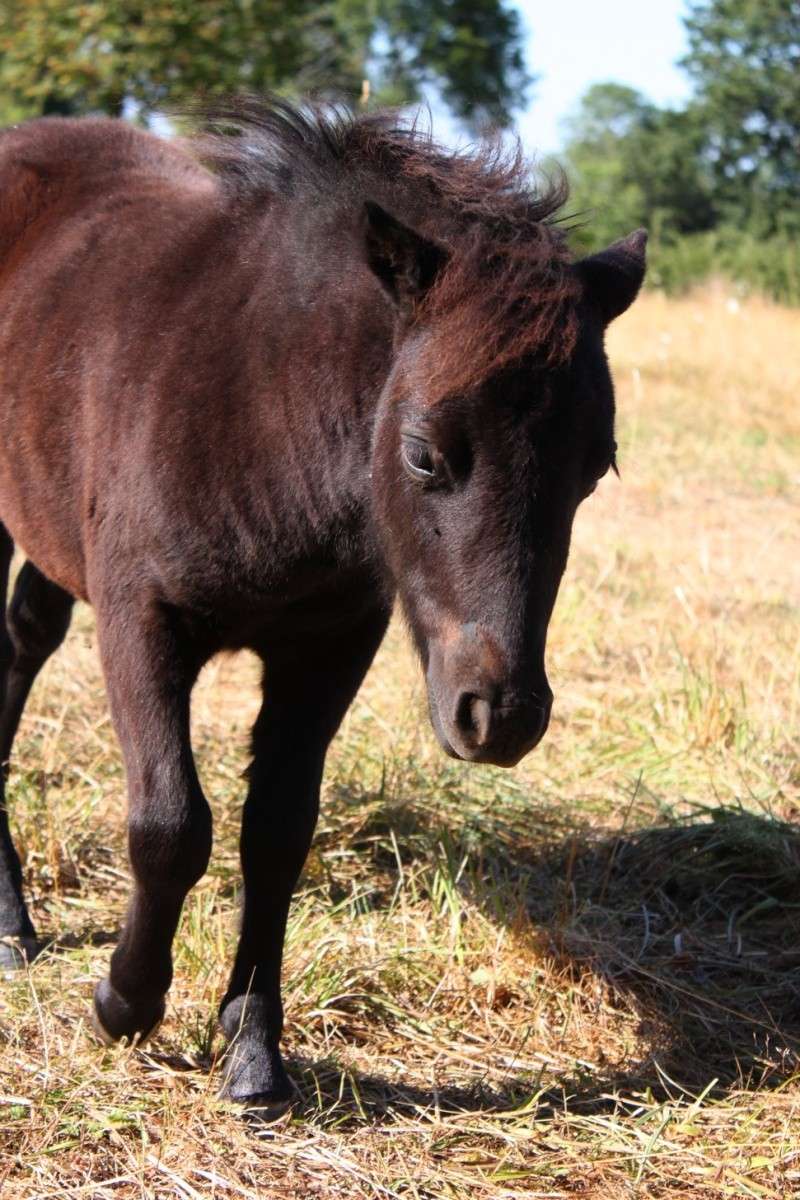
(256,1078)
(17,952)
(114,1018)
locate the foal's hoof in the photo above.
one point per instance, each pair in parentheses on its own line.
(256,1078)
(17,952)
(114,1018)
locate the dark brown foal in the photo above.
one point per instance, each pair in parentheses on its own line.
(252,388)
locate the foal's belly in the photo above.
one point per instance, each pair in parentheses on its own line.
(41,528)
(40,491)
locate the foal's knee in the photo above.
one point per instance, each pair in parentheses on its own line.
(170,850)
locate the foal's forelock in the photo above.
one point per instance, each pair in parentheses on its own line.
(497,304)
(476,339)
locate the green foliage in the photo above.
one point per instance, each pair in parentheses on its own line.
(91,57)
(70,57)
(744,57)
(472,48)
(716,183)
(767,265)
(634,164)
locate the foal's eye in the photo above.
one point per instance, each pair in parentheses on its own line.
(418,459)
(610,465)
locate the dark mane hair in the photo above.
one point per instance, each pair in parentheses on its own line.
(508,291)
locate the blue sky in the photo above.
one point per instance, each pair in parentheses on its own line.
(572,44)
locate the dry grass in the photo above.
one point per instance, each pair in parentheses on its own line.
(579,978)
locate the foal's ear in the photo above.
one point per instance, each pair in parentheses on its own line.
(405,262)
(612,277)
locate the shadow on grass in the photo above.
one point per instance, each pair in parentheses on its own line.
(694,927)
(326,1092)
(698,926)
(84,937)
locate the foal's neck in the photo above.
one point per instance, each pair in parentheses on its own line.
(322,355)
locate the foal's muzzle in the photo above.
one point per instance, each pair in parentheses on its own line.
(477,712)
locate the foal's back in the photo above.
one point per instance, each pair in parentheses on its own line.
(91,214)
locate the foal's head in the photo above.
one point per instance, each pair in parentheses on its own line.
(496,421)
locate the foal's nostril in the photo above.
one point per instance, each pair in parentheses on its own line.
(474,718)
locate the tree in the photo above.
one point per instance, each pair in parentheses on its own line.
(62,57)
(92,56)
(632,163)
(744,58)
(470,49)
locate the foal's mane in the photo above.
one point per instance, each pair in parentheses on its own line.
(508,291)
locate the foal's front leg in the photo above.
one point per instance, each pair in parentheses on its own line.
(150,669)
(305,699)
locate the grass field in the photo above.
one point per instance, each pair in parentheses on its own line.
(578,978)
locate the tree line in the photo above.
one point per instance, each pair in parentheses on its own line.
(98,55)
(717,182)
